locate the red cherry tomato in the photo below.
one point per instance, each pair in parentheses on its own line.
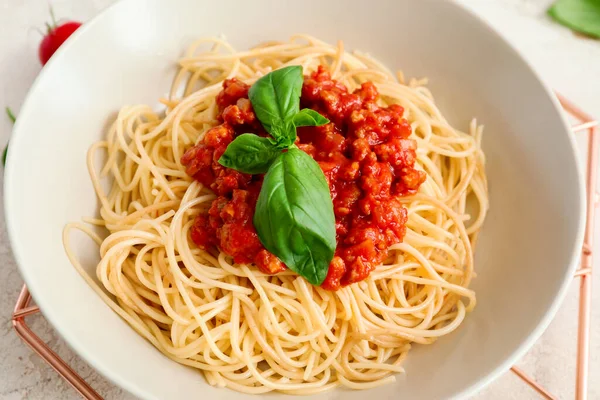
(55,38)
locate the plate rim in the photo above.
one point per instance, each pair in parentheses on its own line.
(104,370)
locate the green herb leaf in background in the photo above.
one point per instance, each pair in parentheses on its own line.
(294,215)
(11,116)
(275,99)
(580,15)
(249,154)
(13,119)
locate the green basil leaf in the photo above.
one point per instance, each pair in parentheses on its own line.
(250,154)
(308,117)
(580,15)
(275,99)
(294,215)
(12,118)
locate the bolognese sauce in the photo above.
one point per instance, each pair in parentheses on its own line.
(366,156)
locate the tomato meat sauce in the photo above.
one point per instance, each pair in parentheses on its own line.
(365,154)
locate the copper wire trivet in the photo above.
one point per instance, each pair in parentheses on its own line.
(584,273)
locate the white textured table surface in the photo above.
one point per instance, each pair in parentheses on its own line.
(568,63)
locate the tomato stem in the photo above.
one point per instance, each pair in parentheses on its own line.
(53,17)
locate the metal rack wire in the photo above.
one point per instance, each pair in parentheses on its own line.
(584,273)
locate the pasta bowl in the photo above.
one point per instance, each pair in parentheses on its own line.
(527,250)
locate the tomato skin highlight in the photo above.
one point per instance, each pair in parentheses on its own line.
(55,38)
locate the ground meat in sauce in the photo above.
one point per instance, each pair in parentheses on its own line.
(365,154)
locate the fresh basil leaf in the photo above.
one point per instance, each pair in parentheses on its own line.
(308,117)
(250,154)
(580,15)
(275,99)
(294,215)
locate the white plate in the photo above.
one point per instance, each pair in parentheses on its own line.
(528,248)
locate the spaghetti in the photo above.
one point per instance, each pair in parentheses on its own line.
(254,332)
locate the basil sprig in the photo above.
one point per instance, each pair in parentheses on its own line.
(294,213)
(275,99)
(580,15)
